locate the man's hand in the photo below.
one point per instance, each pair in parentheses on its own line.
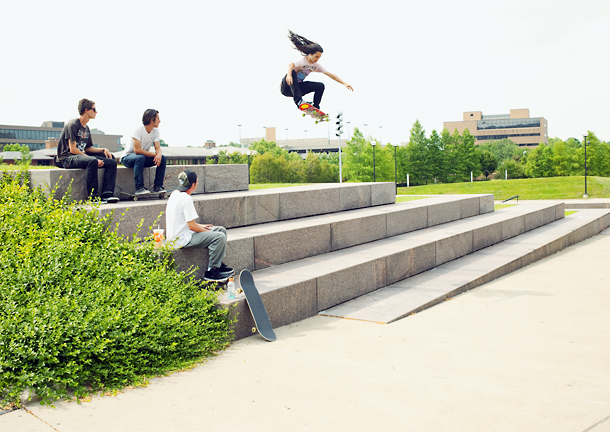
(100,163)
(157,159)
(107,153)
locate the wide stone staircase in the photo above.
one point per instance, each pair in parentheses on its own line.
(348,250)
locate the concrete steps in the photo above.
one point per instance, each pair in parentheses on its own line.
(303,288)
(265,245)
(424,290)
(252,207)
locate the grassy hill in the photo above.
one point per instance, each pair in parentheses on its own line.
(538,188)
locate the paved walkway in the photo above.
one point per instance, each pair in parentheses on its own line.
(529,351)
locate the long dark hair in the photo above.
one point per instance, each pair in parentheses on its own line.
(303,45)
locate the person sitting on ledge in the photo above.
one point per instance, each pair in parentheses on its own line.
(138,154)
(75,150)
(184,232)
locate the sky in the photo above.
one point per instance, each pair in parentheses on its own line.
(209,66)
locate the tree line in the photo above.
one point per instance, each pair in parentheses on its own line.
(445,157)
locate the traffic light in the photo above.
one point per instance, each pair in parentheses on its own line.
(339,124)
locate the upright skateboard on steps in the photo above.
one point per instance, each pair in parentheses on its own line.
(257,308)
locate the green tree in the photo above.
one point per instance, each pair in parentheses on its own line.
(489,163)
(358,159)
(267,168)
(436,155)
(417,155)
(503,149)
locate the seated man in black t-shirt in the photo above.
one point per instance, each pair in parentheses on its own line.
(75,150)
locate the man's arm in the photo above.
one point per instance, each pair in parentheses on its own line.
(137,149)
(158,153)
(194,226)
(93,150)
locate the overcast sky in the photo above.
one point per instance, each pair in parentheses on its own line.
(209,66)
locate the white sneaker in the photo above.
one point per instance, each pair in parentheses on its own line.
(142,191)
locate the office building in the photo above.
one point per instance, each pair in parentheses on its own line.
(517,126)
(35,137)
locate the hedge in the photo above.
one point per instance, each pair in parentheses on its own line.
(83,309)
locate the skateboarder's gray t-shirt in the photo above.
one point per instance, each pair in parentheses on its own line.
(179,212)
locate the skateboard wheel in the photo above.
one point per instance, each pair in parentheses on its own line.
(253,329)
(239,291)
(135,198)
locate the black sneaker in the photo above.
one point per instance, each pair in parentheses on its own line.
(214,275)
(109,199)
(225,271)
(158,189)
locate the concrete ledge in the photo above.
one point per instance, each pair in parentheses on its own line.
(251,207)
(211,178)
(349,273)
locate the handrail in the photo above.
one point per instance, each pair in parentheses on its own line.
(513,197)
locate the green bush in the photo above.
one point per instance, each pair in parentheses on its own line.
(83,309)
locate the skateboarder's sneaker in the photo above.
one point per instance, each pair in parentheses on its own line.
(158,189)
(214,275)
(142,191)
(225,271)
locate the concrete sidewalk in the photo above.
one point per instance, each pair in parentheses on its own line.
(529,351)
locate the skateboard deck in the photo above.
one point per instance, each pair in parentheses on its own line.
(134,197)
(313,112)
(257,308)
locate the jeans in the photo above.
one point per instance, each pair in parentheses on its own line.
(138,163)
(216,242)
(298,89)
(90,164)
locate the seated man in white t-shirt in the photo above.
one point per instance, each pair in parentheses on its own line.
(138,154)
(184,232)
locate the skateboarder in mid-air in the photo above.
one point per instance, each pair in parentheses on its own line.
(294,84)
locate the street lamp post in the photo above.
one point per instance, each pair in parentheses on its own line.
(374,174)
(239,129)
(586,195)
(380,137)
(348,130)
(395,170)
(248,153)
(286,136)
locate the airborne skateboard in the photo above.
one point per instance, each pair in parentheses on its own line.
(257,308)
(313,112)
(134,197)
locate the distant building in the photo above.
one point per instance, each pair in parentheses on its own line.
(35,137)
(517,126)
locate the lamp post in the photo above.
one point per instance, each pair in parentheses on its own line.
(286,136)
(380,137)
(586,195)
(374,174)
(395,170)
(248,153)
(348,130)
(239,129)
(365,125)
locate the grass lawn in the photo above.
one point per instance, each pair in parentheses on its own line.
(409,198)
(276,185)
(532,189)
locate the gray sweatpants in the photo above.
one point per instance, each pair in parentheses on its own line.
(216,242)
